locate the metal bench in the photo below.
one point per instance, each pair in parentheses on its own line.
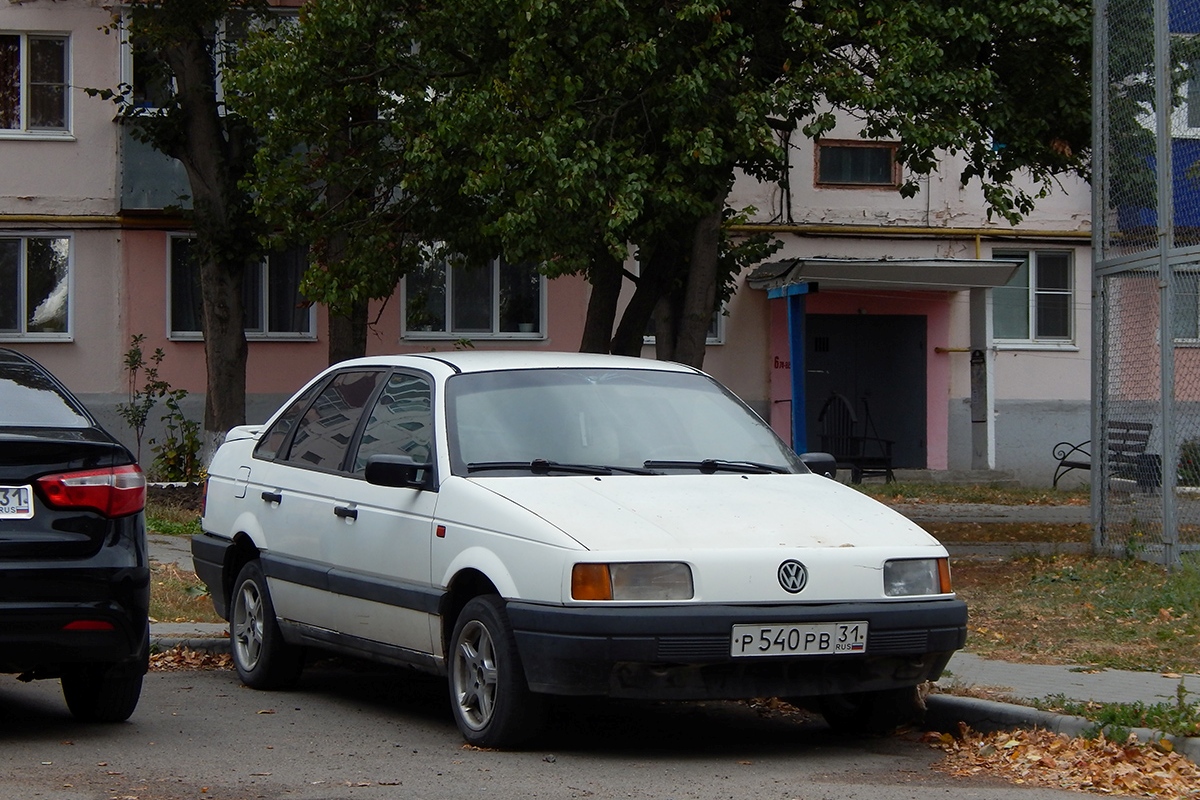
(1126,444)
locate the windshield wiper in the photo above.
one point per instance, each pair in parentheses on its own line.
(539,466)
(710,465)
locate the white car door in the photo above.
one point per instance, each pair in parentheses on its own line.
(381,548)
(300,481)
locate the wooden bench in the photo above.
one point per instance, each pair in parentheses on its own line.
(1126,443)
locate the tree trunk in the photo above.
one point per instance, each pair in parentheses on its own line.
(657,274)
(348,334)
(224,231)
(606,280)
(665,318)
(700,292)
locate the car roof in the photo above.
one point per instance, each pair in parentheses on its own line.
(491,360)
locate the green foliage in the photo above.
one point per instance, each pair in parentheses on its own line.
(143,398)
(560,133)
(1189,463)
(177,454)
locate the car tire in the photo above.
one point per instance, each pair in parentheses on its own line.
(106,692)
(489,697)
(261,656)
(876,713)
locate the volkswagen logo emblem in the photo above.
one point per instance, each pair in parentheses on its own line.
(792,576)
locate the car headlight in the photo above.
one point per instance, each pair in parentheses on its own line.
(916,576)
(658,580)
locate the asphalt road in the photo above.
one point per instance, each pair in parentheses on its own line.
(366,732)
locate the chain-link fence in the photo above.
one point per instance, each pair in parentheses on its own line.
(1146,425)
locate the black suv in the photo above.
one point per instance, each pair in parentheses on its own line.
(74,574)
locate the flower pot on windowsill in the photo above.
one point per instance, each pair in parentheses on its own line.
(525,327)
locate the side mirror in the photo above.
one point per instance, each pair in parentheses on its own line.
(821,463)
(398,471)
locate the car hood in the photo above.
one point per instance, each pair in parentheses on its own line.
(709,511)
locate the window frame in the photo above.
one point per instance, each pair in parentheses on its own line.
(24,131)
(715,335)
(23,334)
(494,311)
(220,39)
(258,334)
(1035,339)
(856,144)
(1192,270)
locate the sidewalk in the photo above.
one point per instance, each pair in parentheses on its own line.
(945,711)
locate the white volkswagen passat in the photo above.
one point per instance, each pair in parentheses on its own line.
(534,524)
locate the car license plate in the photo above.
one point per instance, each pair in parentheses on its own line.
(16,502)
(831,638)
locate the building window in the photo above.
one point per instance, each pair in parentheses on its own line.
(35,286)
(451,296)
(714,335)
(853,163)
(1185,306)
(273,305)
(1036,304)
(33,83)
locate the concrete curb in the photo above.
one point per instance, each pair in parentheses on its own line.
(944,712)
(202,644)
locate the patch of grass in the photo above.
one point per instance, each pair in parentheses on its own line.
(1007,532)
(968,493)
(178,595)
(1073,609)
(171,516)
(1181,718)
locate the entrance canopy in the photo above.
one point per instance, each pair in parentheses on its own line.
(793,280)
(920,274)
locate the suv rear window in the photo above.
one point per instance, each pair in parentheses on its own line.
(30,399)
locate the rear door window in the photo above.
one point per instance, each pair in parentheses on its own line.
(324,433)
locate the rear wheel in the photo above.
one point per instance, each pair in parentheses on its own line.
(871,713)
(106,692)
(490,699)
(101,692)
(262,658)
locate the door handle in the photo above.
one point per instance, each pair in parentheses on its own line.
(272,497)
(345,512)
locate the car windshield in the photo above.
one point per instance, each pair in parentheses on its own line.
(558,421)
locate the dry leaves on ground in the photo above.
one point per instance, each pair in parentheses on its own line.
(181,658)
(1043,758)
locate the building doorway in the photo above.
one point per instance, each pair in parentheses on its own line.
(877,362)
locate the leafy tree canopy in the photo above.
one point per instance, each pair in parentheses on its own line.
(563,131)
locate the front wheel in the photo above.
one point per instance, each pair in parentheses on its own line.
(872,713)
(490,699)
(262,658)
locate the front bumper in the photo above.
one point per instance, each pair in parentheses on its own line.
(683,652)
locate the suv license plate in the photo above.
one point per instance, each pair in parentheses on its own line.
(831,638)
(16,502)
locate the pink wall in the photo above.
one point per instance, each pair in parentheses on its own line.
(933,306)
